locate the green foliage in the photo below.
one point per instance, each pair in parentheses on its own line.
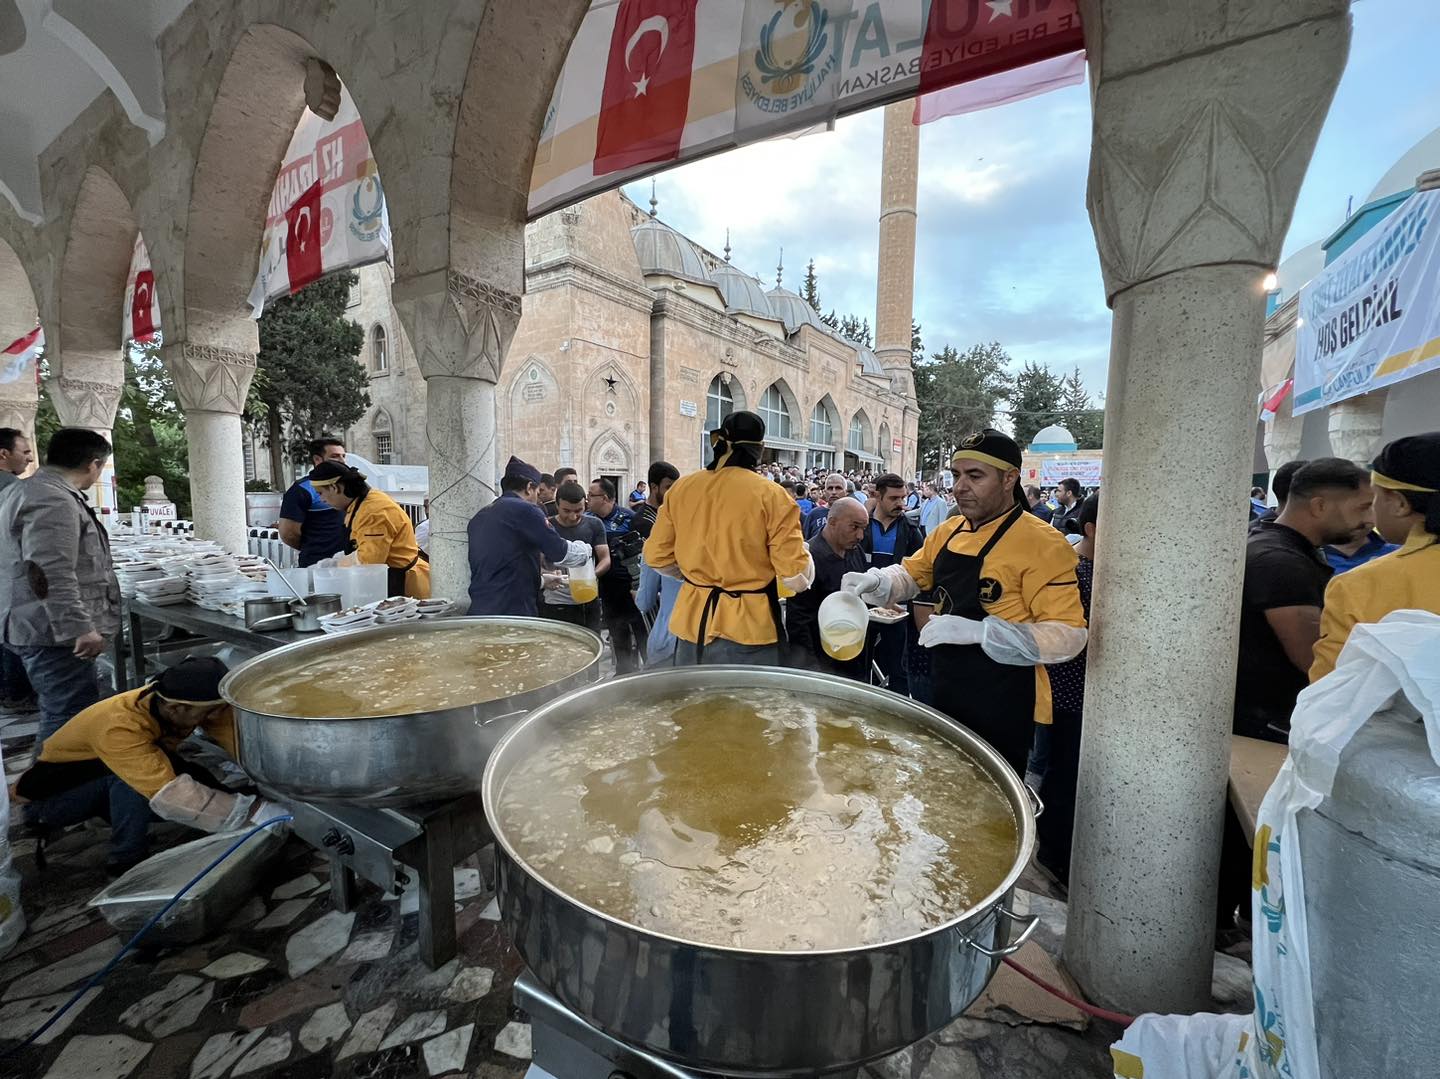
(850,328)
(810,290)
(1084,419)
(958,393)
(307,382)
(1036,401)
(917,346)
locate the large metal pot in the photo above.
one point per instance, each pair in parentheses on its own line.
(731,1010)
(385,760)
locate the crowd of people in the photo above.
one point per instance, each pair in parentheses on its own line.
(984,588)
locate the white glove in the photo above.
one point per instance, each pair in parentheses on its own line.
(804,579)
(186,801)
(267,810)
(578,554)
(882,587)
(951,629)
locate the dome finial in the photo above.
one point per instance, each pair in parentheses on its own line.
(780,267)
(653,201)
(727,245)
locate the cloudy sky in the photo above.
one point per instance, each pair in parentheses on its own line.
(1005,250)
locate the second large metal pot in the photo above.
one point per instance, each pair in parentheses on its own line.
(384,760)
(730,1010)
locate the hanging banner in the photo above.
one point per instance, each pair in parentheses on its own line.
(20,356)
(141,315)
(659,82)
(1085,469)
(1371,318)
(327,211)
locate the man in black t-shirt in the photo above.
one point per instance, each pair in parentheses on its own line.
(1330,501)
(307,523)
(836,549)
(661,478)
(573,523)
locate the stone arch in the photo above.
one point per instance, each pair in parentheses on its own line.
(610,454)
(19,314)
(883,448)
(832,413)
(536,421)
(380,355)
(867,438)
(734,385)
(89,371)
(792,407)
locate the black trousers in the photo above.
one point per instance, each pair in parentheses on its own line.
(1056,826)
(627,628)
(577,614)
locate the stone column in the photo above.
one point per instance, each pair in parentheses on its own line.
(88,399)
(1204,120)
(895,274)
(1355,426)
(460,328)
(211,382)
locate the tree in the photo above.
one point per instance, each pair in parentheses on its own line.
(917,345)
(958,393)
(850,328)
(307,382)
(1084,420)
(1036,402)
(810,290)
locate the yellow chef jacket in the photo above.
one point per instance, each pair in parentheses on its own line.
(121,733)
(731,528)
(383,535)
(1035,567)
(1407,579)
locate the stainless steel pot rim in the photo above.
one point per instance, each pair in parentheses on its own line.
(286,653)
(971,742)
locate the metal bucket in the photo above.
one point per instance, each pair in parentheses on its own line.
(384,760)
(739,1012)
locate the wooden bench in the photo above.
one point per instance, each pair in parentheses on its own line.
(1254,764)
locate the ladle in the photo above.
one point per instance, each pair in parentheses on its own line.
(286,582)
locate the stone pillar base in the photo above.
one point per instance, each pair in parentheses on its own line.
(460,435)
(217,478)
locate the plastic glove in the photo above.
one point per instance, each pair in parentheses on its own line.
(267,810)
(951,629)
(185,801)
(804,579)
(867,584)
(578,554)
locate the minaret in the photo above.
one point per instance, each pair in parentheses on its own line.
(895,282)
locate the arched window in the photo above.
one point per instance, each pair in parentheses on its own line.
(856,442)
(775,412)
(384,444)
(379,350)
(820,427)
(719,403)
(885,448)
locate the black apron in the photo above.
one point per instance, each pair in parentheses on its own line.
(771,592)
(394,578)
(994,700)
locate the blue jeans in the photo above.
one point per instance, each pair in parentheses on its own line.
(722,651)
(110,798)
(64,683)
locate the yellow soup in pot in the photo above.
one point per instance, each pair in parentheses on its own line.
(760,819)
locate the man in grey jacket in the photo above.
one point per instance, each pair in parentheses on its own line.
(15,458)
(59,599)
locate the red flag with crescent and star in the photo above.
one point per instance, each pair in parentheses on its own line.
(142,306)
(302,239)
(647,84)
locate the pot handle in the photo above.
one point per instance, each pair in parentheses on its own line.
(1016,944)
(1036,805)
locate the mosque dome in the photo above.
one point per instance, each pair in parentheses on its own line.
(792,310)
(1053,439)
(869,362)
(662,250)
(744,295)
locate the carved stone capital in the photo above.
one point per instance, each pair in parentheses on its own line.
(209,378)
(1197,160)
(462,331)
(20,415)
(81,402)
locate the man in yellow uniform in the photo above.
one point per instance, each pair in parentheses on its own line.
(377,530)
(733,537)
(1007,600)
(1406,481)
(117,760)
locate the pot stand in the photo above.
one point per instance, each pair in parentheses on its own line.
(378,844)
(564,1046)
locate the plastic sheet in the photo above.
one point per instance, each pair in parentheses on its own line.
(131,900)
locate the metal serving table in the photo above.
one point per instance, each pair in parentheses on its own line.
(196,621)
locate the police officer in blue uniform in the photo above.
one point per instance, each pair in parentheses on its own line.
(507,539)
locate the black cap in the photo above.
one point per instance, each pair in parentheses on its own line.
(194,680)
(328,472)
(1409,464)
(516,469)
(993,448)
(743,427)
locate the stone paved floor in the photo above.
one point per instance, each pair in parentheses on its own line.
(292,988)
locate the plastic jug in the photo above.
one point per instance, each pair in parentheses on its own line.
(843,619)
(584,588)
(334,579)
(298,577)
(371,584)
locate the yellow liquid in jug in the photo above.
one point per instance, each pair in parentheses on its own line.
(785,593)
(842,642)
(583,591)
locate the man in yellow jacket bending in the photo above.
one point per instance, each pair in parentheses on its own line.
(117,760)
(733,537)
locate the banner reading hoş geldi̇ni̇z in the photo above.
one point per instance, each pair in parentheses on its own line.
(1372,317)
(648,82)
(327,211)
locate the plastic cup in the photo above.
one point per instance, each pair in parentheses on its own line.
(843,619)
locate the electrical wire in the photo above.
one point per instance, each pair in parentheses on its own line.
(1089,1009)
(100,975)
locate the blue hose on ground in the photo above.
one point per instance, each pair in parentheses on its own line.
(100,975)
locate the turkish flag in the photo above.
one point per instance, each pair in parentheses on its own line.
(302,239)
(142,306)
(647,84)
(970,39)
